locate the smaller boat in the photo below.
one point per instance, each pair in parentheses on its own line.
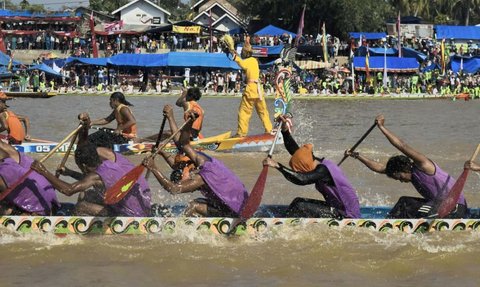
(40,95)
(219,143)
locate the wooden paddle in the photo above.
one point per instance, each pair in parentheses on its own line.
(450,201)
(121,188)
(359,142)
(67,153)
(157,143)
(22,179)
(255,197)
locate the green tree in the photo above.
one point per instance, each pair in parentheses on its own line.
(24,5)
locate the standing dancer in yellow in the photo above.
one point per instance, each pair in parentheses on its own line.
(253,93)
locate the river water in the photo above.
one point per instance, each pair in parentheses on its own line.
(446,131)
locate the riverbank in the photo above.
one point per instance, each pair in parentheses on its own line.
(296,96)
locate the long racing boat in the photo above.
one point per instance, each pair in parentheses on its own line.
(222,142)
(265,220)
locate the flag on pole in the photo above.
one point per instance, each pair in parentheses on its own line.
(442,51)
(210,28)
(367,64)
(399,39)
(94,39)
(385,80)
(10,63)
(324,44)
(2,42)
(300,27)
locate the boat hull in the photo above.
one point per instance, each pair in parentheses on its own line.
(64,225)
(267,219)
(41,95)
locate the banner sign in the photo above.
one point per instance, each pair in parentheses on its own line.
(186,29)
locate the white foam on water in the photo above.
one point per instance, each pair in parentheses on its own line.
(41,240)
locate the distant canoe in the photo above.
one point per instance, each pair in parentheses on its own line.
(40,95)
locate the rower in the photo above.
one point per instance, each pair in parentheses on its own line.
(126,129)
(34,196)
(341,200)
(101,169)
(12,123)
(189,102)
(224,193)
(425,175)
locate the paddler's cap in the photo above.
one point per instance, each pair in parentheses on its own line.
(247,47)
(121,98)
(302,160)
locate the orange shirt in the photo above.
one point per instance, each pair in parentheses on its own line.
(15,128)
(130,132)
(195,107)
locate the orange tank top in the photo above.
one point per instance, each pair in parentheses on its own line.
(194,106)
(15,128)
(130,132)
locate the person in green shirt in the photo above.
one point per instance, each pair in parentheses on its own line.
(36,81)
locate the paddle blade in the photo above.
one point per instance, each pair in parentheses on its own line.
(450,201)
(121,188)
(255,197)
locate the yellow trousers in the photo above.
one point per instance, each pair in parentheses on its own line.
(245,113)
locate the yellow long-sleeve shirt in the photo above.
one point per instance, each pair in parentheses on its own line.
(252,72)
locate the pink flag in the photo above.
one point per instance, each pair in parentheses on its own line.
(300,27)
(399,40)
(94,39)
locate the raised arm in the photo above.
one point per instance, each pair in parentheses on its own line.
(371,164)
(420,160)
(181,101)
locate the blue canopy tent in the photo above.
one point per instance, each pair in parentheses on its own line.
(362,51)
(199,59)
(138,60)
(5,60)
(43,67)
(271,30)
(394,64)
(368,36)
(457,32)
(433,66)
(87,61)
(470,65)
(406,52)
(411,53)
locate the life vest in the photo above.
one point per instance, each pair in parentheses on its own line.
(15,128)
(195,107)
(130,132)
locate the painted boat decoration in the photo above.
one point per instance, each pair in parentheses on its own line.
(253,143)
(222,142)
(89,225)
(40,95)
